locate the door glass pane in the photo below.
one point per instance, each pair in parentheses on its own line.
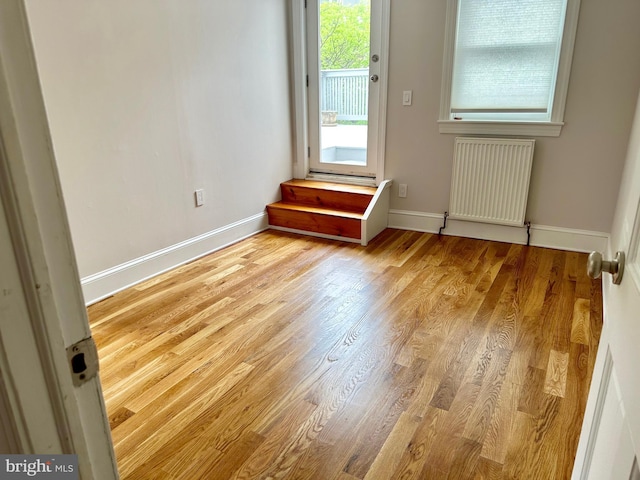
(344,80)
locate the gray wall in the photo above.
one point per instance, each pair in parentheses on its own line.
(149,100)
(575,177)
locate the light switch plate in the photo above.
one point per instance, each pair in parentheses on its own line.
(199,197)
(406,97)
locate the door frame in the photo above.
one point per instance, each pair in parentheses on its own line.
(43,309)
(301,97)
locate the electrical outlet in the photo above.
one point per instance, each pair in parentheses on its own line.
(199,197)
(402,190)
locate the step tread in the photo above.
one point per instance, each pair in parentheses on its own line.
(317,210)
(336,196)
(335,187)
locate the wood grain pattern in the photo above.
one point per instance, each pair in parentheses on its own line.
(580,322)
(416,357)
(339,196)
(556,379)
(314,219)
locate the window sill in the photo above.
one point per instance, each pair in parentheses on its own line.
(534,129)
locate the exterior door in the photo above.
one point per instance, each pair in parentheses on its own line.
(42,312)
(610,439)
(347,76)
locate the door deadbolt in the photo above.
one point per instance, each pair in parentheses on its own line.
(375,58)
(596,265)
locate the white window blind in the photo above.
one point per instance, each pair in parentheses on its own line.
(506,58)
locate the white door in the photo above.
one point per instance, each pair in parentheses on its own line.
(347,45)
(610,439)
(42,310)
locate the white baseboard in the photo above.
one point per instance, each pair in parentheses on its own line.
(541,235)
(104,284)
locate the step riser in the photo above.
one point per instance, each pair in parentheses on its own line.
(314,222)
(347,201)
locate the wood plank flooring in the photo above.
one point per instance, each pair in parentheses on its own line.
(417,357)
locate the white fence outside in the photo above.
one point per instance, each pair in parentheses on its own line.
(345,92)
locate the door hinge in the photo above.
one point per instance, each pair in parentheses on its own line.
(305,3)
(83,361)
(309,152)
(307,80)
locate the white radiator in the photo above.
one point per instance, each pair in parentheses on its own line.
(490,181)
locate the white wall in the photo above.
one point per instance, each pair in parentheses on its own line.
(149,100)
(575,177)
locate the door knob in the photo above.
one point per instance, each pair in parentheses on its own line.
(374,78)
(596,265)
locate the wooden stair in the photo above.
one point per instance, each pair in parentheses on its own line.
(331,210)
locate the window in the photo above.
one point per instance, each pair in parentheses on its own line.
(506,66)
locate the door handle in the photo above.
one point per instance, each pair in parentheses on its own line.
(596,265)
(374,78)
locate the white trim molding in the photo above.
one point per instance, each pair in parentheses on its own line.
(298,48)
(551,128)
(533,129)
(602,375)
(381,118)
(42,306)
(103,284)
(541,235)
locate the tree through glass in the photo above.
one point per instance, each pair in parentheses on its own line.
(344,80)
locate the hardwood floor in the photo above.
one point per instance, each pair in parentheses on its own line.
(417,357)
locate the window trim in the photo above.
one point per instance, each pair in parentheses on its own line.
(551,128)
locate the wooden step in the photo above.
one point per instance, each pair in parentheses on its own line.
(332,210)
(335,196)
(314,219)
